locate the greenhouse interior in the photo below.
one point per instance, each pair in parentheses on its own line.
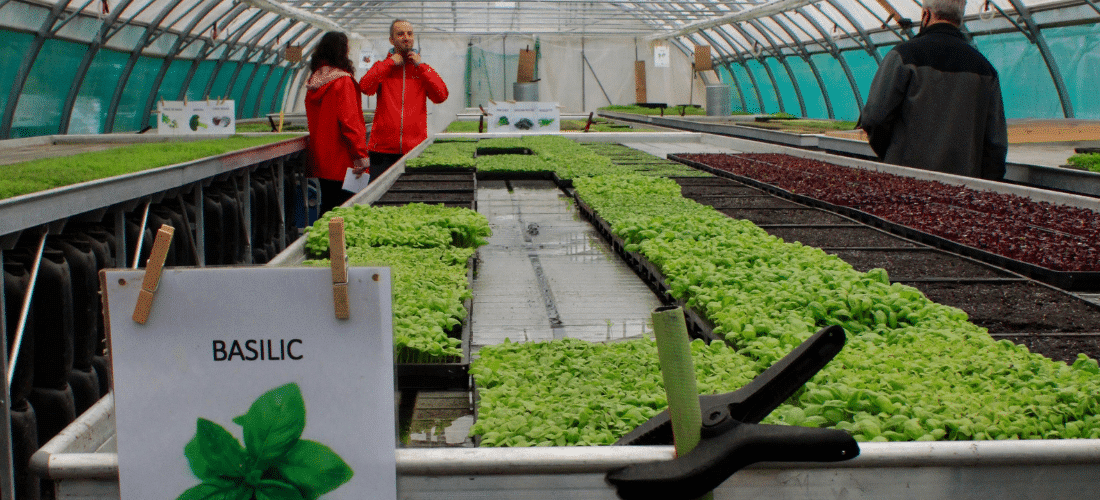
(795,249)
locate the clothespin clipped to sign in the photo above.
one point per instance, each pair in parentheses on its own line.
(153,268)
(338,257)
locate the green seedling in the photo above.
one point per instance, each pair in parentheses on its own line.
(274,463)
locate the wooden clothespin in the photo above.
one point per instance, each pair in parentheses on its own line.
(338,257)
(153,268)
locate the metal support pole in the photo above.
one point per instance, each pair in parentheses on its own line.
(597,77)
(120,239)
(7,461)
(583,105)
(280,190)
(141,233)
(1044,50)
(22,325)
(200,223)
(246,223)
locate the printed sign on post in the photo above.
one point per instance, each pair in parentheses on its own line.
(196,117)
(526,117)
(660,56)
(241,384)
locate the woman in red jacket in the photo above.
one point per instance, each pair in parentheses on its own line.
(402,83)
(334,111)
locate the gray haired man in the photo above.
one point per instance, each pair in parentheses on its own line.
(935,102)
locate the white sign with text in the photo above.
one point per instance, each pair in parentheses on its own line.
(526,117)
(196,117)
(243,384)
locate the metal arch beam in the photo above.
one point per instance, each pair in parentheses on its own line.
(143,42)
(86,64)
(25,68)
(867,44)
(768,33)
(744,64)
(173,53)
(837,25)
(1052,65)
(767,69)
(275,65)
(729,67)
(885,25)
(737,83)
(813,66)
(244,59)
(230,44)
(267,53)
(835,52)
(207,48)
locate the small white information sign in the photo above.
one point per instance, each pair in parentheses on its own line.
(660,56)
(243,384)
(196,117)
(526,117)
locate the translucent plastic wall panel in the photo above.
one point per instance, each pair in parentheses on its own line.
(734,93)
(811,91)
(1026,87)
(221,80)
(786,88)
(94,98)
(255,92)
(131,108)
(272,98)
(173,80)
(244,103)
(753,104)
(23,16)
(1077,50)
(491,75)
(836,84)
(12,47)
(198,82)
(43,96)
(767,90)
(863,68)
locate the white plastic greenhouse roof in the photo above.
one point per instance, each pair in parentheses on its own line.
(127,55)
(732,27)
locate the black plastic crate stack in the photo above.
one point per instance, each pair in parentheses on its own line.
(63,366)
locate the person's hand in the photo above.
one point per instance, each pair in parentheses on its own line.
(397,59)
(360,167)
(413,58)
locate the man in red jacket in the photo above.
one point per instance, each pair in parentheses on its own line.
(402,83)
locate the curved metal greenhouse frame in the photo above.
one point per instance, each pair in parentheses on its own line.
(809,58)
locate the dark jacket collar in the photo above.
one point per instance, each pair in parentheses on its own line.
(944,28)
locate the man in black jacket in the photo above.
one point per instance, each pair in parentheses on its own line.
(935,102)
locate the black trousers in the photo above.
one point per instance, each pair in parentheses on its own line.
(381,162)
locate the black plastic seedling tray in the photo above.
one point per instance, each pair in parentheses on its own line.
(1066,280)
(698,326)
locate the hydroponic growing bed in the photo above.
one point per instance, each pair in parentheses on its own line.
(1056,244)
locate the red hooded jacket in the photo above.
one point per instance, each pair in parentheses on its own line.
(401,117)
(334,111)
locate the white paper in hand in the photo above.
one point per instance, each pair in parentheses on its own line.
(355,185)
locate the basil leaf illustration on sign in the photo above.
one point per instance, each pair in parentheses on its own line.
(273,464)
(214,452)
(315,468)
(274,422)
